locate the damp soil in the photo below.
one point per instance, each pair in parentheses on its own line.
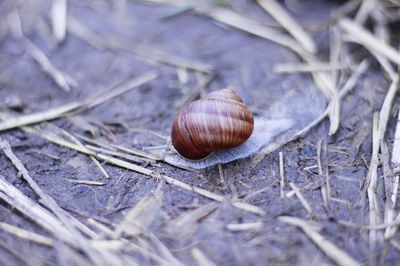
(239,60)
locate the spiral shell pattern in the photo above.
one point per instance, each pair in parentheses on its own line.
(219,121)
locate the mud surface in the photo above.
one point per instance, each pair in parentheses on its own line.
(240,60)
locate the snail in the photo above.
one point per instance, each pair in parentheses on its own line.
(218,121)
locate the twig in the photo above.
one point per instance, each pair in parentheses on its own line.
(282,174)
(86,182)
(183,226)
(313,67)
(301,198)
(221,174)
(125,156)
(384,114)
(336,254)
(95,161)
(124,87)
(27,235)
(395,223)
(293,27)
(114,147)
(203,81)
(255,226)
(200,258)
(392,200)
(372,179)
(382,32)
(50,114)
(164,251)
(364,11)
(325,190)
(243,23)
(59,19)
(62,79)
(369,40)
(140,217)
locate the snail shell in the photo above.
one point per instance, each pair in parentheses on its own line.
(219,121)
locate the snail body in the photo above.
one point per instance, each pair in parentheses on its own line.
(219,121)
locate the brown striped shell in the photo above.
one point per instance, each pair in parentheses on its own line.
(219,121)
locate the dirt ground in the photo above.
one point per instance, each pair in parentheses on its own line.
(185,223)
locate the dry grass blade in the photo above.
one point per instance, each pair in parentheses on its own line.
(133,151)
(62,79)
(364,11)
(382,32)
(86,182)
(367,39)
(53,113)
(336,254)
(301,198)
(186,224)
(282,175)
(104,230)
(254,226)
(200,258)
(386,108)
(313,67)
(124,87)
(395,222)
(29,119)
(125,156)
(293,27)
(140,217)
(221,174)
(59,19)
(325,83)
(164,251)
(27,235)
(95,161)
(16,253)
(115,148)
(388,177)
(325,190)
(203,81)
(392,200)
(238,21)
(371,190)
